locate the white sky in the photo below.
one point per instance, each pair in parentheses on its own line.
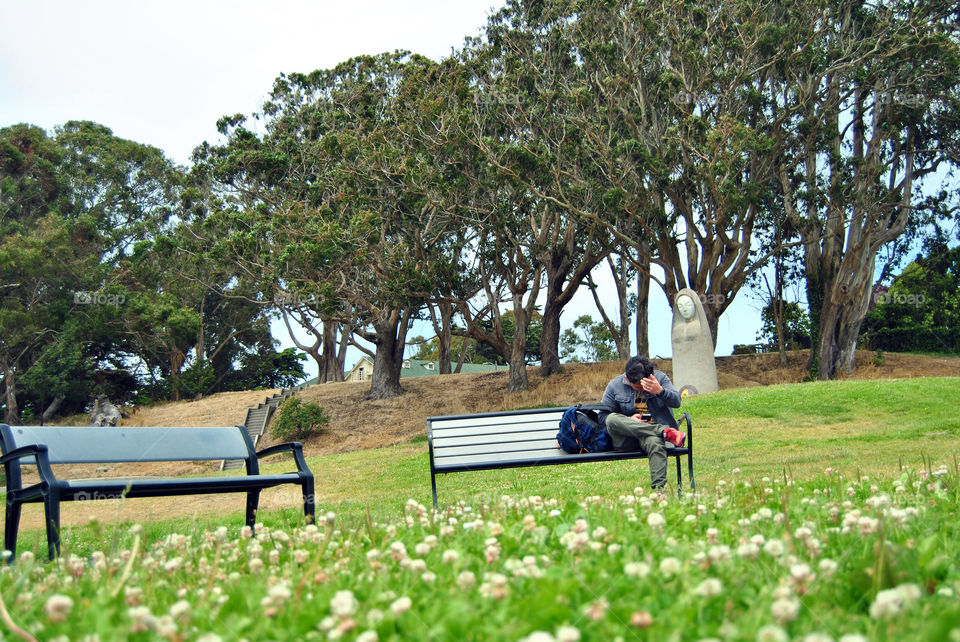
(163,73)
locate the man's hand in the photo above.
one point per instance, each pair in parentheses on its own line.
(651,385)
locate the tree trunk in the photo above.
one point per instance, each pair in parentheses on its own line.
(518,380)
(51,409)
(841,316)
(331,367)
(643,304)
(12,414)
(388,360)
(550,338)
(444,329)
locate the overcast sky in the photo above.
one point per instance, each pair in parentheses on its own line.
(163,73)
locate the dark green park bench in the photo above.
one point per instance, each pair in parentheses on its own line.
(494,440)
(46,446)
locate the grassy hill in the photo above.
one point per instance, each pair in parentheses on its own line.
(358,423)
(759,423)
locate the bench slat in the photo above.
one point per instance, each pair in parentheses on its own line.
(493,438)
(87,445)
(442,430)
(495,448)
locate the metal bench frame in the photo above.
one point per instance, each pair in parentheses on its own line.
(45,446)
(517,439)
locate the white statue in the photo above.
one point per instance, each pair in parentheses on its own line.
(693,361)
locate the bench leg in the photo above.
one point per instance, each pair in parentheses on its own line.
(11,528)
(51,509)
(433,482)
(693,486)
(309,503)
(253,501)
(679,478)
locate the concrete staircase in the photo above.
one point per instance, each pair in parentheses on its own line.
(256,423)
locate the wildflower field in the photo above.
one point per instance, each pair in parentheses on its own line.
(833,554)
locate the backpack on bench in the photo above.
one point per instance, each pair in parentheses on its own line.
(581,430)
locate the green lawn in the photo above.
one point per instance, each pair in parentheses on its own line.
(823,511)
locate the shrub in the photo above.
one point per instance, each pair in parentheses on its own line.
(297,420)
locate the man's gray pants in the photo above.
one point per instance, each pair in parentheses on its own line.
(628,433)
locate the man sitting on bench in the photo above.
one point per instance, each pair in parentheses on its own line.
(643,397)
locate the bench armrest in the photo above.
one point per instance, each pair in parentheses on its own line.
(23,451)
(37,451)
(294,447)
(686,417)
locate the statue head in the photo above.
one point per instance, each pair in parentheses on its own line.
(686,307)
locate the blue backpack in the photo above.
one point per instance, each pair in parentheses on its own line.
(582,432)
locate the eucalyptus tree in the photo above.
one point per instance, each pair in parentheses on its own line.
(874,111)
(527,89)
(327,206)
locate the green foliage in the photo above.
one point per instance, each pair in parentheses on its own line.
(295,420)
(796,322)
(921,310)
(589,341)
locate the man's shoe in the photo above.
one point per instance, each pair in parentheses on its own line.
(674,436)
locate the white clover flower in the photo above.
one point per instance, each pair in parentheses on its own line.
(670,566)
(58,607)
(450,556)
(418,565)
(710,587)
(785,610)
(802,573)
(817,637)
(343,604)
(568,634)
(209,637)
(368,636)
(401,605)
(637,569)
(429,577)
(748,550)
(166,626)
(143,619)
(466,580)
(853,637)
(656,520)
(180,609)
(774,548)
(719,554)
(772,633)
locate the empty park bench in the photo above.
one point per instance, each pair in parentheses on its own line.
(46,446)
(516,439)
